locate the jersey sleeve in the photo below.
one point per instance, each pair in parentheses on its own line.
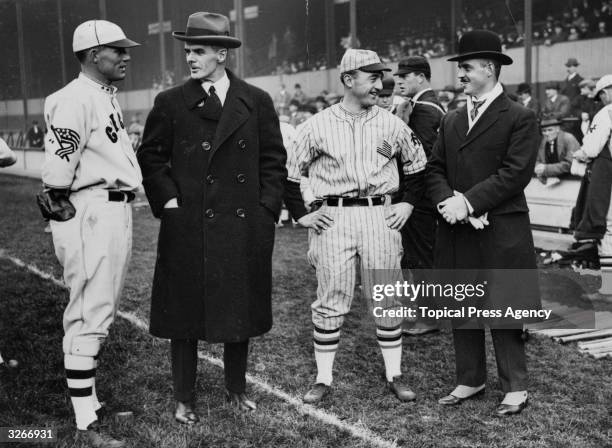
(66,136)
(412,154)
(300,158)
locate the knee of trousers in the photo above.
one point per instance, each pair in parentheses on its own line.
(82,345)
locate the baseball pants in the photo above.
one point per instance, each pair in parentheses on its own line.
(94,248)
(357,233)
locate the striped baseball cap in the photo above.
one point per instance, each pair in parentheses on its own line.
(99,32)
(364,60)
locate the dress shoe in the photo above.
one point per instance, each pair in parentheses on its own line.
(316,393)
(452,400)
(185,414)
(95,438)
(240,401)
(101,412)
(504,410)
(401,391)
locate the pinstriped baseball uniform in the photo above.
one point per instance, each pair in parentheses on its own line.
(353,155)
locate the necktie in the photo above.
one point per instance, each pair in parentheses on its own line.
(214,99)
(474,111)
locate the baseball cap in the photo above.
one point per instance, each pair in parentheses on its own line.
(588,82)
(364,60)
(99,32)
(604,82)
(413,64)
(388,85)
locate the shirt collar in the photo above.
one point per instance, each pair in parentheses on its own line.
(488,98)
(416,97)
(571,75)
(221,87)
(106,88)
(340,111)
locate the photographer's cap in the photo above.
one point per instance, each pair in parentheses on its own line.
(99,32)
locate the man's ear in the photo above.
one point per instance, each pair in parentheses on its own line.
(221,55)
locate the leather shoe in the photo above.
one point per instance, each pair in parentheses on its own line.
(452,400)
(316,393)
(402,392)
(504,410)
(96,438)
(185,414)
(101,412)
(240,401)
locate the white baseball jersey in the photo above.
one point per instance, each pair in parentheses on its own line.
(599,132)
(86,143)
(354,155)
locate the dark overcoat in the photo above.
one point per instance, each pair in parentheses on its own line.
(491,165)
(213,273)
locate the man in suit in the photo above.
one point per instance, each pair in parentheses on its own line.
(523,92)
(418,235)
(556,151)
(482,160)
(556,105)
(35,136)
(213,163)
(571,84)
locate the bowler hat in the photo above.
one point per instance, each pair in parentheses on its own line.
(547,122)
(552,85)
(523,88)
(414,64)
(481,44)
(572,62)
(208,28)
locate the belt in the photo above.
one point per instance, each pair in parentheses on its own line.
(355,202)
(120,196)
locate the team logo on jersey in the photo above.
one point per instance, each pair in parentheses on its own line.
(385,150)
(68,141)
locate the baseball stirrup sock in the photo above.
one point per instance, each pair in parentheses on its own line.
(325,347)
(390,341)
(80,374)
(94,396)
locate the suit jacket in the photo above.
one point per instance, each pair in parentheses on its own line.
(533,105)
(570,87)
(491,165)
(560,109)
(213,271)
(566,145)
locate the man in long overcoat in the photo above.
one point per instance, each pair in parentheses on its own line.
(480,164)
(213,164)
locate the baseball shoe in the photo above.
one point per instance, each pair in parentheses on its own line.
(240,401)
(316,393)
(401,391)
(95,438)
(185,414)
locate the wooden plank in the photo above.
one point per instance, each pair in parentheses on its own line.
(594,343)
(594,351)
(586,336)
(571,332)
(602,355)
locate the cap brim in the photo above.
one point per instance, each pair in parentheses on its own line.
(385,92)
(373,68)
(222,41)
(602,89)
(123,43)
(502,58)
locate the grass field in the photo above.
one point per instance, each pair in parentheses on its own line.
(571,395)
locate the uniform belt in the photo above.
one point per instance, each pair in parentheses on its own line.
(120,196)
(355,202)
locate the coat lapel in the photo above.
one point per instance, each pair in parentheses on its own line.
(461,123)
(488,119)
(194,96)
(236,111)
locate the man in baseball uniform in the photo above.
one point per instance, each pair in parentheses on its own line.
(349,152)
(90,163)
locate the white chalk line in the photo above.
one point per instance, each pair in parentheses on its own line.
(304,409)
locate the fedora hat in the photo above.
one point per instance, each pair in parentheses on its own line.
(572,62)
(547,122)
(523,88)
(208,28)
(481,44)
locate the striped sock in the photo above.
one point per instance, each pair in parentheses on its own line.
(94,397)
(606,274)
(325,346)
(390,341)
(80,374)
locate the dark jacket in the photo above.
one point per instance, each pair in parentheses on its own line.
(571,87)
(560,109)
(491,166)
(213,271)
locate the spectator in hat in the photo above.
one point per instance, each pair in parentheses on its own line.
(35,136)
(523,92)
(556,105)
(294,112)
(584,107)
(298,94)
(570,86)
(386,94)
(320,103)
(556,151)
(281,100)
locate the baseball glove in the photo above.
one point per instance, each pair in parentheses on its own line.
(55,205)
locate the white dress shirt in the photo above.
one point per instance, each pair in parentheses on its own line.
(488,98)
(221,87)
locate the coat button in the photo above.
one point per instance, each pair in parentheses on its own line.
(241,178)
(241,213)
(210,179)
(206,146)
(209,213)
(242,144)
